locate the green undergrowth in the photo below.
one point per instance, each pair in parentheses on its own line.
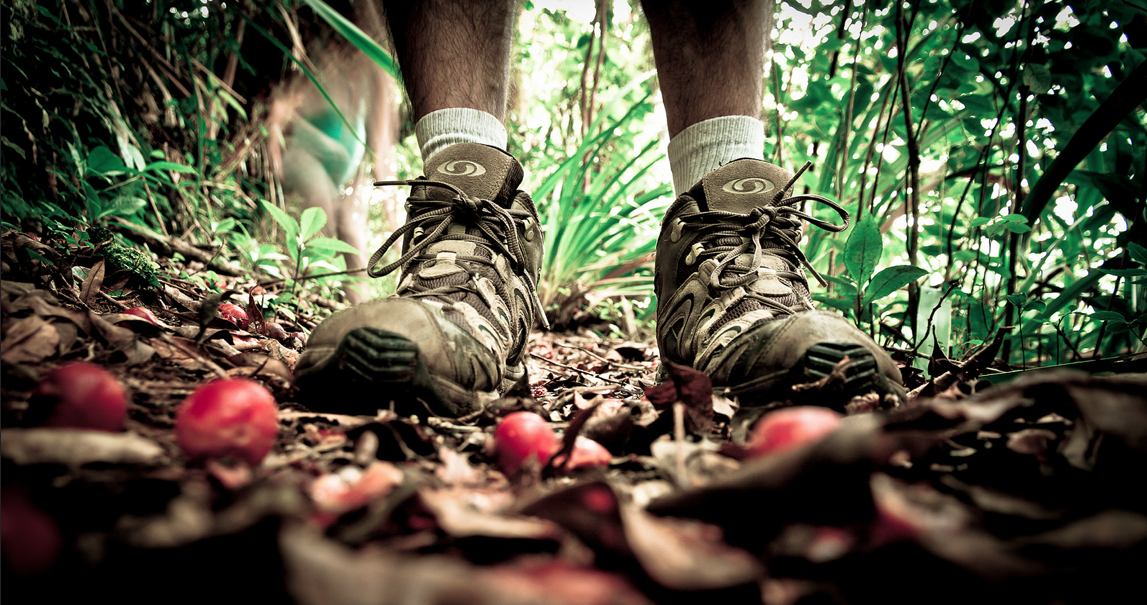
(992,154)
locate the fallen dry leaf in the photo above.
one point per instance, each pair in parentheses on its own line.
(29,340)
(338,493)
(90,288)
(76,447)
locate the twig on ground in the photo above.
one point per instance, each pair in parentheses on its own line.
(114,301)
(599,357)
(578,370)
(972,366)
(211,365)
(168,245)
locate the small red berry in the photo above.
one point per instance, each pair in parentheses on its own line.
(791,427)
(234,313)
(588,453)
(143,313)
(230,417)
(86,396)
(30,540)
(521,436)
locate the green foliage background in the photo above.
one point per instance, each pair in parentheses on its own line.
(992,153)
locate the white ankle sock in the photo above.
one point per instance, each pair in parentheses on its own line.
(440,129)
(706,146)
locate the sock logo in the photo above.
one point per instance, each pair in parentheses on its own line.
(462,168)
(748,185)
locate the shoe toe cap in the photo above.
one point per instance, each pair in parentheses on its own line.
(775,348)
(444,347)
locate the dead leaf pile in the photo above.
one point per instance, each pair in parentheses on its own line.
(1030,491)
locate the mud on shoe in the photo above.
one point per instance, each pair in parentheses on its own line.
(732,298)
(454,334)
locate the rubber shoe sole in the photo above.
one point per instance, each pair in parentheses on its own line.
(373,369)
(861,376)
(370,370)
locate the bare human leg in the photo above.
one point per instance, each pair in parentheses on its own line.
(454,53)
(710,57)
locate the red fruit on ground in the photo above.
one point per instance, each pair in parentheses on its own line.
(29,538)
(230,417)
(234,313)
(335,494)
(522,436)
(791,427)
(143,313)
(588,453)
(86,396)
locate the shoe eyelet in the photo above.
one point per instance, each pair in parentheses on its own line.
(694,252)
(418,231)
(528,227)
(675,230)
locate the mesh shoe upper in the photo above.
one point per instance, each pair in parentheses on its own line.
(728,259)
(472,247)
(466,300)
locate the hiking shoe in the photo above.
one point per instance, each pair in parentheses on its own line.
(733,301)
(454,334)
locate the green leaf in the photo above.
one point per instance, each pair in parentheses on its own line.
(963,59)
(979,221)
(158,166)
(311,222)
(1124,272)
(356,36)
(863,249)
(230,100)
(1017,228)
(40,257)
(844,306)
(93,208)
(1037,77)
(844,286)
(1108,316)
(1071,293)
(1138,252)
(1117,328)
(124,205)
(285,221)
(332,244)
(225,225)
(1035,305)
(890,280)
(101,160)
(965,255)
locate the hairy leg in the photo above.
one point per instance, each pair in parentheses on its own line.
(454,53)
(710,57)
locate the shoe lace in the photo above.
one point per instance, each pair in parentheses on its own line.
(776,222)
(495,222)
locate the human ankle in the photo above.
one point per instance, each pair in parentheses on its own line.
(440,129)
(710,144)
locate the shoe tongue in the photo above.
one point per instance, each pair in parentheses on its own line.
(481,171)
(740,186)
